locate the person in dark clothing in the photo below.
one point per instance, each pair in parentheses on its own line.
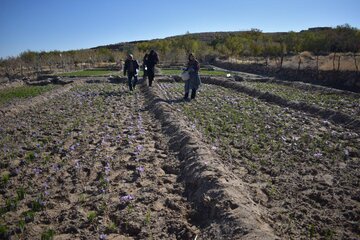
(194,82)
(145,59)
(153,59)
(131,68)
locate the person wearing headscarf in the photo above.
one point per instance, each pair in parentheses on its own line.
(194,81)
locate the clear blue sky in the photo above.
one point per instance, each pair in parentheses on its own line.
(75,24)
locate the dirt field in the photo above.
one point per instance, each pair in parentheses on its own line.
(95,161)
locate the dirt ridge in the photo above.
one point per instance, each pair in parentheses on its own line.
(218,195)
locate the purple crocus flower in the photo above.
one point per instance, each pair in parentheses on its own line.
(56,167)
(139,148)
(37,171)
(77,164)
(140,169)
(102,236)
(318,155)
(75,146)
(126,198)
(107,168)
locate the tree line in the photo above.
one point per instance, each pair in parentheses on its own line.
(253,43)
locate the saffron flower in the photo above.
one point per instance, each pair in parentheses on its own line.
(37,171)
(107,168)
(140,169)
(126,198)
(77,164)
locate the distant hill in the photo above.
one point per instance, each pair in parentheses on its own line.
(206,37)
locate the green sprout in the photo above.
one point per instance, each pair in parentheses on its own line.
(48,234)
(5,177)
(91,216)
(20,193)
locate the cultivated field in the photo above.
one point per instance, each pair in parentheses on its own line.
(91,160)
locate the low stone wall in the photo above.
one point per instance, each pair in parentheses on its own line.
(345,80)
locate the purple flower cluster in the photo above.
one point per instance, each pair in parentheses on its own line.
(46,187)
(37,171)
(126,198)
(107,168)
(140,125)
(138,149)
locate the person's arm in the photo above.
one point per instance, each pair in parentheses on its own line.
(197,68)
(125,67)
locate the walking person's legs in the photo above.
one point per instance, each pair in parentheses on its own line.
(150,80)
(193,93)
(129,82)
(187,89)
(135,81)
(150,77)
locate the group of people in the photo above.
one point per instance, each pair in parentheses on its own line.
(131,69)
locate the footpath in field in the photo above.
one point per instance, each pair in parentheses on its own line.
(302,169)
(90,164)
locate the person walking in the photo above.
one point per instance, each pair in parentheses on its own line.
(144,66)
(194,81)
(131,68)
(153,59)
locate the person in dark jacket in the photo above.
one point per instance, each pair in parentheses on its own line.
(144,66)
(194,82)
(153,59)
(131,68)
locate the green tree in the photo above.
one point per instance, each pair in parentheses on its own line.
(317,44)
(235,45)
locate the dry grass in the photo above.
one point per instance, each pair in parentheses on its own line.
(325,62)
(308,61)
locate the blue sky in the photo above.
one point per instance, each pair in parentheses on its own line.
(43,25)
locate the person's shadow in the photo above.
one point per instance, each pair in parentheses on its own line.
(172,101)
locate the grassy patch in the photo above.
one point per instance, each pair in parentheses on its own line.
(335,101)
(7,95)
(91,73)
(202,72)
